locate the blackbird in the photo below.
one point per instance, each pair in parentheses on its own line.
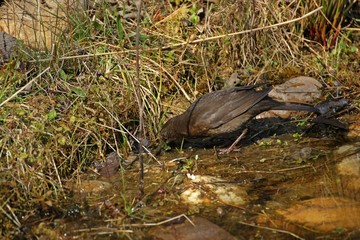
(222,113)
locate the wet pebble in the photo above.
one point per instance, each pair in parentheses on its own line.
(208,189)
(302,154)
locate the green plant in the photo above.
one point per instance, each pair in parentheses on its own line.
(194,18)
(326,27)
(297,137)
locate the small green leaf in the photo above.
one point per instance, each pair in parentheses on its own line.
(72,119)
(297,137)
(353,49)
(23,155)
(61,139)
(120,29)
(166,147)
(20,112)
(52,115)
(59,129)
(37,126)
(63,75)
(78,91)
(144,37)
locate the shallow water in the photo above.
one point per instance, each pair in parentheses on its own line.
(283,187)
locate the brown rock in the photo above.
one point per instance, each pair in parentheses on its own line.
(202,229)
(324,214)
(296,90)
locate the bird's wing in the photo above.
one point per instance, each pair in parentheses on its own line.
(217,108)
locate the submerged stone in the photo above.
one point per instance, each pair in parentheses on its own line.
(207,189)
(349,172)
(202,229)
(91,186)
(324,214)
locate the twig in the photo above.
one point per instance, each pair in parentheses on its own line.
(12,217)
(140,102)
(25,86)
(273,229)
(155,224)
(277,171)
(103,230)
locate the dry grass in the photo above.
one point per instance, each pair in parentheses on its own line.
(84,106)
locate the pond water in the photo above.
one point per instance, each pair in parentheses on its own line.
(281,187)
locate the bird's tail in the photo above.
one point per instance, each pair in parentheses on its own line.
(327,108)
(325,111)
(295,107)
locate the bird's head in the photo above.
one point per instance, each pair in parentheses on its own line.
(169,132)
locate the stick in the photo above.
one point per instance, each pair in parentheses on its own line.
(25,86)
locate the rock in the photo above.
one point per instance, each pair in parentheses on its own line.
(346,150)
(91,186)
(8,45)
(202,229)
(349,172)
(324,214)
(296,90)
(219,189)
(37,23)
(305,153)
(354,127)
(110,167)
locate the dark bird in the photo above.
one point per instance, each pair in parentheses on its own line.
(222,113)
